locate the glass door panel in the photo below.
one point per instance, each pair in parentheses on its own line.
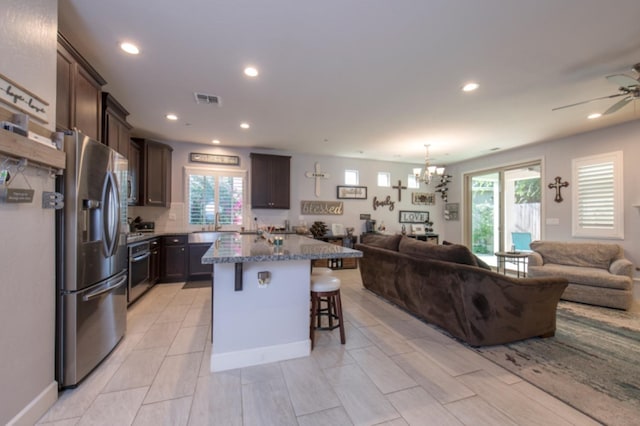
(503,210)
(485,215)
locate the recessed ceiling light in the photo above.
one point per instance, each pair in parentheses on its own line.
(594,116)
(470,87)
(172,117)
(130,48)
(215,142)
(244,125)
(251,71)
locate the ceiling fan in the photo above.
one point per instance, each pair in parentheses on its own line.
(628,87)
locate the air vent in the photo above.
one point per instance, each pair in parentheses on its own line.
(203,98)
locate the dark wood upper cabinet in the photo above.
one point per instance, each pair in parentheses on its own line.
(270,181)
(155,181)
(78,92)
(116,132)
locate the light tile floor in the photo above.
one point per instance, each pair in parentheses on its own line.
(393,370)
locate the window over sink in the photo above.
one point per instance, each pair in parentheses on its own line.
(212,191)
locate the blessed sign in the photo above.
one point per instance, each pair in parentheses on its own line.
(321,207)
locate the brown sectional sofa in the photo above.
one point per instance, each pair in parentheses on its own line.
(444,286)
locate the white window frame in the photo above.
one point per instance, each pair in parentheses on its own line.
(207,171)
(412,181)
(353,173)
(616,231)
(385,176)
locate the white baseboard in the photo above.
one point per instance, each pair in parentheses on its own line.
(30,414)
(256,356)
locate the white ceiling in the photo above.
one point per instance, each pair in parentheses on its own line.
(362,78)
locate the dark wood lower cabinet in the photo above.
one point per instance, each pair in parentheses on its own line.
(198,271)
(174,258)
(154,263)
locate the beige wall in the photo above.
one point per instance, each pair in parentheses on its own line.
(556,156)
(27,283)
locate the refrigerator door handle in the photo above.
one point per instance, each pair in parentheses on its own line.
(111,214)
(109,288)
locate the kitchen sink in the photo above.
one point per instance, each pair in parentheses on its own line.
(197,237)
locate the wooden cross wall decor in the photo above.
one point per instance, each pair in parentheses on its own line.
(317,175)
(557,185)
(399,187)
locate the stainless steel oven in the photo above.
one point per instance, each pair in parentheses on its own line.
(139,269)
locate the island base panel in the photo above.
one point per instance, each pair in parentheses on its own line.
(260,325)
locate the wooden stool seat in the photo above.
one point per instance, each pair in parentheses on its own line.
(325,288)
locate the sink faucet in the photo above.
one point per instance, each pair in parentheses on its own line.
(216,223)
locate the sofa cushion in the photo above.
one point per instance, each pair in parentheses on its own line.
(455,253)
(481,263)
(594,277)
(595,255)
(389,242)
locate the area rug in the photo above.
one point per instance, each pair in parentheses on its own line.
(592,363)
(196,284)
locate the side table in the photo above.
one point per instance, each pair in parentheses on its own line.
(520,259)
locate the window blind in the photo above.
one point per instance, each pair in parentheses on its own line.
(596,196)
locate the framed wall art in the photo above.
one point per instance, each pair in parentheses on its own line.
(352,192)
(227,160)
(413,217)
(423,198)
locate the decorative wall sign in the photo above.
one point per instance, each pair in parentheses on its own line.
(20,98)
(317,175)
(423,198)
(352,192)
(557,185)
(227,160)
(413,217)
(386,202)
(321,207)
(442,187)
(451,211)
(399,187)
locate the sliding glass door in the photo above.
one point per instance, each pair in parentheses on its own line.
(503,209)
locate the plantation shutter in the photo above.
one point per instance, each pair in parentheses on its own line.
(598,196)
(201,199)
(230,197)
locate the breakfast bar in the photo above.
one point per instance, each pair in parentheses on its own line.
(260,296)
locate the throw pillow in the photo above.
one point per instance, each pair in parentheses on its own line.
(455,253)
(481,263)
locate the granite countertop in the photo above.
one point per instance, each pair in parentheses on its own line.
(237,248)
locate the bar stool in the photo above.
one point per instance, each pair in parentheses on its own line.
(321,270)
(325,287)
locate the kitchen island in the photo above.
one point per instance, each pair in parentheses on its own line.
(260,297)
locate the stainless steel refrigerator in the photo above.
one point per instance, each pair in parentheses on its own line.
(91,257)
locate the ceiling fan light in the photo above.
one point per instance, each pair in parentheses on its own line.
(594,116)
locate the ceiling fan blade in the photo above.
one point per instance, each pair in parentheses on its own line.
(620,104)
(590,100)
(622,80)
